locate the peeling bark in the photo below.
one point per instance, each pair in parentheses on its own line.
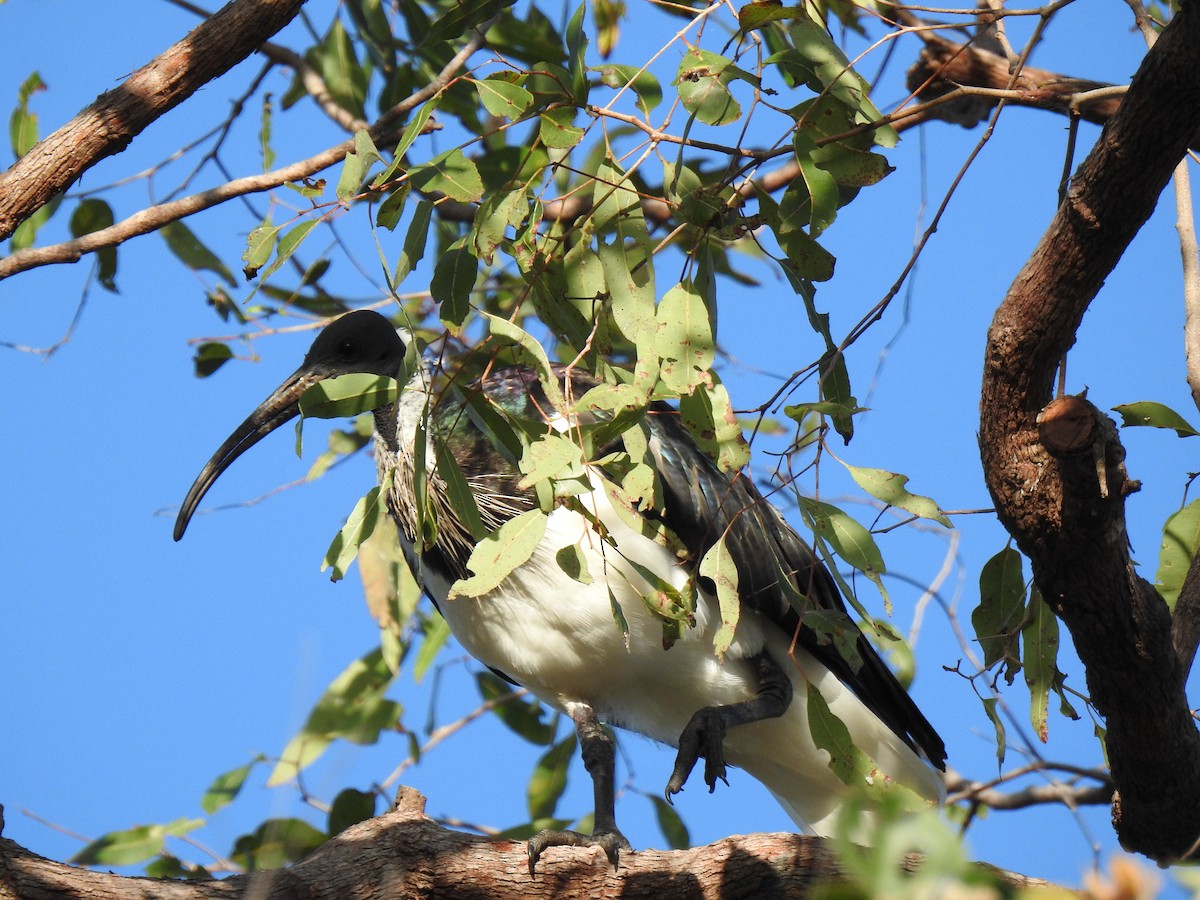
(1066,510)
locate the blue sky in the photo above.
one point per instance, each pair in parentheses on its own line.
(134,670)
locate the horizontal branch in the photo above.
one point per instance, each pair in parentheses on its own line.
(403,853)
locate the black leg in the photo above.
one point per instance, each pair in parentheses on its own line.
(704,735)
(599,758)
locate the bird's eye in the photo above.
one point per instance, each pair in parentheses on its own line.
(347,349)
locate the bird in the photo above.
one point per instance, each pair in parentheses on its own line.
(576,622)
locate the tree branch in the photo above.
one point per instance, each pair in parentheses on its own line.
(403,853)
(116,117)
(1065,506)
(154,217)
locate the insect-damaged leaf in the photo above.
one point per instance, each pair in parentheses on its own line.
(717,565)
(890,488)
(497,555)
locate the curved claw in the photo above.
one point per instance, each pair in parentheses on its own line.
(704,735)
(611,842)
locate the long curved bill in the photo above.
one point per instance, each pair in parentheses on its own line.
(280,408)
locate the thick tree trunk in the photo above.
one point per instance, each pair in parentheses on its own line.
(1063,499)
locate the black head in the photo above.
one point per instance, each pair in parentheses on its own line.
(362,341)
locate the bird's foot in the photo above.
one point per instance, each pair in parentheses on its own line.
(704,735)
(611,842)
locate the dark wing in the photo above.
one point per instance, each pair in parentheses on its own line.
(702,503)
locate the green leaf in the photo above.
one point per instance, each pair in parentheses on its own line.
(288,244)
(571,560)
(260,243)
(703,80)
(551,456)
(1001,608)
(1180,544)
(761,13)
(832,73)
(449,173)
(718,566)
(1039,652)
(460,18)
(557,128)
(685,339)
(349,808)
(346,396)
(890,488)
(532,353)
(708,414)
(453,281)
(641,82)
(577,43)
(352,708)
(823,192)
(125,848)
(437,632)
(356,165)
(415,240)
(525,716)
(192,253)
(625,251)
(495,215)
(345,79)
(835,388)
(850,540)
(549,778)
(989,707)
(209,358)
(23,124)
(264,133)
(412,131)
(390,210)
(501,97)
(670,824)
(360,525)
(1154,415)
(93,215)
(496,556)
(276,843)
(830,734)
(227,786)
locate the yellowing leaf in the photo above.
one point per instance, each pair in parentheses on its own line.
(497,555)
(890,488)
(717,565)
(684,339)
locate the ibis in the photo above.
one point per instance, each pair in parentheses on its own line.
(580,622)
